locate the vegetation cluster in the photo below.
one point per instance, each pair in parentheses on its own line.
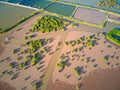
(78,70)
(114,35)
(48,24)
(62,64)
(108,3)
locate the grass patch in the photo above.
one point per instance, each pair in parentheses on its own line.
(114,36)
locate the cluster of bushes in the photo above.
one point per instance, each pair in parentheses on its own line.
(14,51)
(78,70)
(48,24)
(35,45)
(36,58)
(107,3)
(29,37)
(13,64)
(31,59)
(114,35)
(62,64)
(37,85)
(86,41)
(19,22)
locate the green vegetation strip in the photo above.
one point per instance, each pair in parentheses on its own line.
(19,22)
(114,36)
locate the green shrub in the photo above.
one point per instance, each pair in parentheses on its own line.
(62,64)
(78,70)
(36,58)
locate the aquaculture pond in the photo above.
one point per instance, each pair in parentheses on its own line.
(93,3)
(41,4)
(84,2)
(62,9)
(14,1)
(28,2)
(10,14)
(4,0)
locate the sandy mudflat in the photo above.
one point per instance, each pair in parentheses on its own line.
(102,80)
(1,49)
(60,86)
(97,80)
(6,86)
(90,15)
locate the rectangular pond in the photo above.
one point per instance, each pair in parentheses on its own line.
(119,2)
(4,0)
(90,15)
(28,2)
(84,2)
(60,8)
(14,1)
(41,4)
(10,14)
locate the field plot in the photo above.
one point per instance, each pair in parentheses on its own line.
(78,57)
(14,1)
(90,15)
(62,9)
(28,2)
(41,3)
(9,14)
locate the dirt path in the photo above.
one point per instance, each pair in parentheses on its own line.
(53,62)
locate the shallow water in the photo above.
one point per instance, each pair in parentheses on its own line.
(93,3)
